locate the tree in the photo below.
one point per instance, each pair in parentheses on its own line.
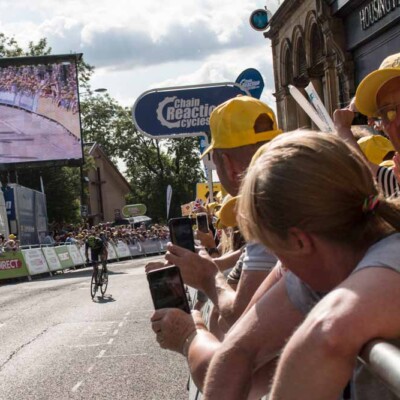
(151,165)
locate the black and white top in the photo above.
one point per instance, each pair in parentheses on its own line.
(388,182)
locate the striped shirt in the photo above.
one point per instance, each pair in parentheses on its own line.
(388,182)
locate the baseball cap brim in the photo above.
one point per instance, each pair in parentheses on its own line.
(369,88)
(227,213)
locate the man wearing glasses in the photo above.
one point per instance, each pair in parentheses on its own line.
(378,97)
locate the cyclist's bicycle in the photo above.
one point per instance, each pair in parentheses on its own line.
(99,280)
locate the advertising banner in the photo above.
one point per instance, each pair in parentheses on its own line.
(251,80)
(35,261)
(12,265)
(133,210)
(51,257)
(203,192)
(75,254)
(180,111)
(135,249)
(40,216)
(122,249)
(112,255)
(64,257)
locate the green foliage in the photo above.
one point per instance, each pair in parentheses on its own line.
(151,165)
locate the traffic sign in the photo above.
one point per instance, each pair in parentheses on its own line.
(181,111)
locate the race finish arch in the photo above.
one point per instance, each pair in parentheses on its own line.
(183,111)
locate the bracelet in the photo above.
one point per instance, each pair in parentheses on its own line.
(187,343)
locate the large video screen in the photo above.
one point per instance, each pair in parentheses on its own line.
(39,111)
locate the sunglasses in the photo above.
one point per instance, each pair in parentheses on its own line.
(388,113)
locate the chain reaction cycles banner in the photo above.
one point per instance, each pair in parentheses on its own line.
(180,111)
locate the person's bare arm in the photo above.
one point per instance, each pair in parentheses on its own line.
(319,358)
(231,304)
(254,341)
(342,119)
(227,260)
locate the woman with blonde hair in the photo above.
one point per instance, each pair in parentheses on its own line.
(312,201)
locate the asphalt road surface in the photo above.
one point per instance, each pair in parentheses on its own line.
(56,343)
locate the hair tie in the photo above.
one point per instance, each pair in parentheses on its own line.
(370,203)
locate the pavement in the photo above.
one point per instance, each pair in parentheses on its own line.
(59,344)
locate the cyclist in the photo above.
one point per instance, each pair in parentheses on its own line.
(98,250)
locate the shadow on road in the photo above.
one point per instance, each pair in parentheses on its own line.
(105,299)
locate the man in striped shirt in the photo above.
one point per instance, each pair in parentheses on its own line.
(377,97)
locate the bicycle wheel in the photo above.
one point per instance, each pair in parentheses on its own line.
(93,284)
(104,282)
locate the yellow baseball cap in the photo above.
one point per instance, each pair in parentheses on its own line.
(241,121)
(371,84)
(375,147)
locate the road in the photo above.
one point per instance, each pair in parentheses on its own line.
(56,343)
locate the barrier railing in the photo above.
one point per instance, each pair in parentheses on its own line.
(383,360)
(32,260)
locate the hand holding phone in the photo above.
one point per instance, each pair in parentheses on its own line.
(202,222)
(167,289)
(181,232)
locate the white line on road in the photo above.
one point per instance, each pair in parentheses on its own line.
(101,354)
(126,355)
(110,341)
(76,387)
(115,332)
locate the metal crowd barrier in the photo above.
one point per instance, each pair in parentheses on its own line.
(30,260)
(383,360)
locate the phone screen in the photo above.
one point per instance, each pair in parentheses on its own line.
(167,289)
(181,232)
(202,222)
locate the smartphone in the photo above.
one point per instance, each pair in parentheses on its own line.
(167,290)
(181,232)
(202,222)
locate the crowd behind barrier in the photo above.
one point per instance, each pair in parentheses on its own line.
(66,250)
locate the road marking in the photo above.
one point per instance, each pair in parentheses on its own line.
(127,355)
(76,387)
(121,324)
(90,369)
(115,332)
(110,341)
(101,354)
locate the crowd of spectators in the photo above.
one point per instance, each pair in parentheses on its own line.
(126,233)
(55,81)
(316,275)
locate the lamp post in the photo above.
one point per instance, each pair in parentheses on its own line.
(84,180)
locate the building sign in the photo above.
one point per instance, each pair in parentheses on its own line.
(181,111)
(376,10)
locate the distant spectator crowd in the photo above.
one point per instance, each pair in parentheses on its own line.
(125,233)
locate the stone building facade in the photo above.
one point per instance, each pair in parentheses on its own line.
(331,43)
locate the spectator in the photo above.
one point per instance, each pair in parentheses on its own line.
(377,97)
(351,254)
(12,244)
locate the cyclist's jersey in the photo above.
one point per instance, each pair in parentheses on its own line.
(95,243)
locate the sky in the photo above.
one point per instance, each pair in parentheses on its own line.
(138,45)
